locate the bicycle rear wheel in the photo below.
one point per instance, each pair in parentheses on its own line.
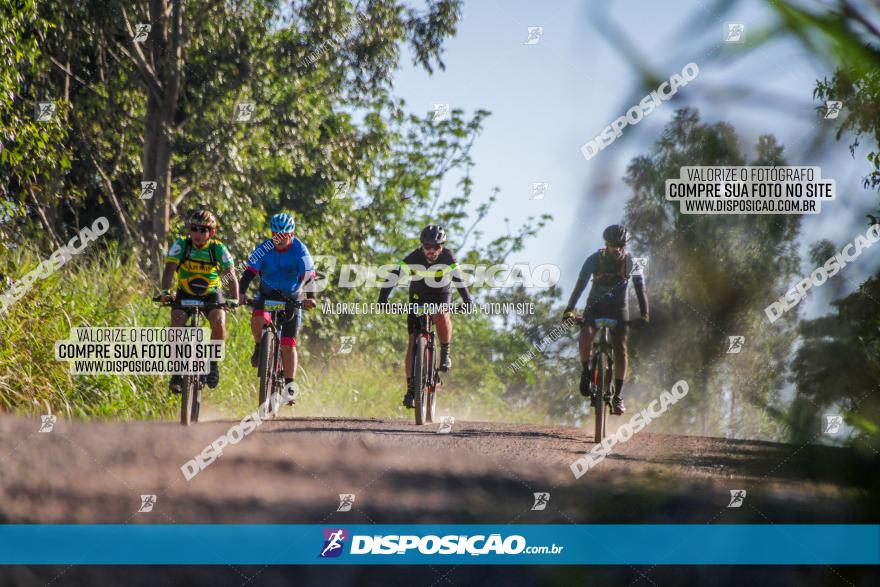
(266,367)
(186,400)
(602,379)
(419,372)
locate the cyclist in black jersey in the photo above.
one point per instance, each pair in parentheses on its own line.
(434,271)
(611,269)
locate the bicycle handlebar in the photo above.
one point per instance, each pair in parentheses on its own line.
(580,320)
(231,304)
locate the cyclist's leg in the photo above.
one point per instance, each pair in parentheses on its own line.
(217,319)
(585,344)
(443,322)
(289,330)
(259,318)
(619,341)
(289,358)
(412,326)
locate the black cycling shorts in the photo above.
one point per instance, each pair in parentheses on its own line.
(412,321)
(291,322)
(617,312)
(213,300)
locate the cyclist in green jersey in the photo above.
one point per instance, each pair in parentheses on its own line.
(199,260)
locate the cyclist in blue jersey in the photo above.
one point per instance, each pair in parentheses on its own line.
(611,269)
(285,267)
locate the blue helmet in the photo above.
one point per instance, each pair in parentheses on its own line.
(282,223)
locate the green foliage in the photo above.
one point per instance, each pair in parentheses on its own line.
(837,367)
(98,288)
(710,277)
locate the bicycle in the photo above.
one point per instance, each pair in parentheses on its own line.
(424,367)
(192,384)
(601,371)
(269,367)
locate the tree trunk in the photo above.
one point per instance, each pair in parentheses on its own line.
(167,60)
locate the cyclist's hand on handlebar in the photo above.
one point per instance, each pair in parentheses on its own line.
(569,314)
(232,304)
(165,297)
(309,303)
(645,318)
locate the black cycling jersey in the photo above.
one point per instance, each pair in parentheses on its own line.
(610,283)
(431,282)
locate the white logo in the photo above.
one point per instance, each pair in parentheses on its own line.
(735,344)
(639,265)
(45,111)
(346,344)
(148,188)
(441,111)
(141,32)
(341,188)
(832,424)
(334,542)
(535,34)
(735,32)
(346,500)
(832,109)
(147,503)
(446,423)
(737,497)
(244,112)
(539,190)
(541,501)
(48,422)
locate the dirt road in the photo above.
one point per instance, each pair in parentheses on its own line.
(293,470)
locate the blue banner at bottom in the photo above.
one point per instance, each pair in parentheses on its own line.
(389,544)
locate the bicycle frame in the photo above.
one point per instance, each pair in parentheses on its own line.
(601,372)
(424,369)
(271,369)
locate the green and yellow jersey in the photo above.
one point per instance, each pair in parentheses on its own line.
(199,273)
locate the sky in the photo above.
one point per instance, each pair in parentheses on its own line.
(549,98)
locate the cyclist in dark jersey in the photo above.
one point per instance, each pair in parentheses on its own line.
(611,269)
(434,270)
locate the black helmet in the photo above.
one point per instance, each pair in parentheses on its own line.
(433,234)
(616,235)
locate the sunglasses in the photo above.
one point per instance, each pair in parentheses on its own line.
(432,247)
(197,228)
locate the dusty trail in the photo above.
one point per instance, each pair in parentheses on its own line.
(292,470)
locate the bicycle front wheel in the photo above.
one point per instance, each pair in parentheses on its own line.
(196,401)
(186,399)
(419,372)
(266,367)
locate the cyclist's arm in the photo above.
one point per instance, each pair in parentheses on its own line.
(168,275)
(249,274)
(229,274)
(583,278)
(641,294)
(386,291)
(460,286)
